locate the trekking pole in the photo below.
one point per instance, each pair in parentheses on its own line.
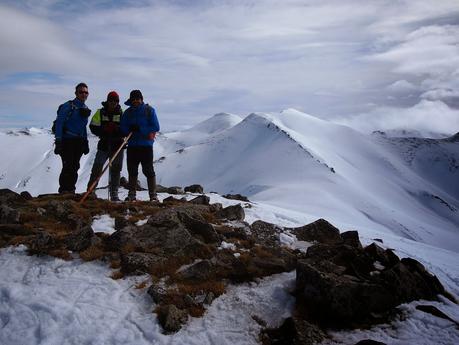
(93,185)
(109,169)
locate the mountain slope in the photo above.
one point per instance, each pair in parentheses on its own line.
(288,160)
(292,161)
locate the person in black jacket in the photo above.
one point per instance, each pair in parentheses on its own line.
(106,125)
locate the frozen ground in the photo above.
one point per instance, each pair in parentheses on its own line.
(50,301)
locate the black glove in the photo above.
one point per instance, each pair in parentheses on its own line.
(85,147)
(134,128)
(59,148)
(85,112)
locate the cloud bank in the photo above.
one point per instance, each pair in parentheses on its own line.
(334,59)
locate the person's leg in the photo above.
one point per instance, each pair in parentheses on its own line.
(133,170)
(148,171)
(115,173)
(97,166)
(71,154)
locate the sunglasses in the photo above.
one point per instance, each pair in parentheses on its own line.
(84,92)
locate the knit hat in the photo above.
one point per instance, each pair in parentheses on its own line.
(113,96)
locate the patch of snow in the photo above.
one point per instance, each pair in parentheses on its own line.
(226,245)
(103,223)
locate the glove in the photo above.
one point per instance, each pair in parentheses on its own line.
(59,148)
(109,128)
(85,147)
(134,128)
(151,136)
(85,112)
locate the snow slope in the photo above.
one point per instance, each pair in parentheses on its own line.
(293,161)
(295,168)
(296,161)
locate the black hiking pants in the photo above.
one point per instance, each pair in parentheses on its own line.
(72,150)
(140,155)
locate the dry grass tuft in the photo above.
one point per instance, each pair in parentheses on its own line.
(115,264)
(60,253)
(92,253)
(193,289)
(142,285)
(117,275)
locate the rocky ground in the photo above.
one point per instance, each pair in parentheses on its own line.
(192,250)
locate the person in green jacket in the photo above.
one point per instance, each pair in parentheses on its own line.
(106,125)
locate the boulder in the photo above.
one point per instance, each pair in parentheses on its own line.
(158,293)
(139,263)
(265,233)
(194,188)
(340,285)
(351,238)
(318,231)
(8,215)
(236,197)
(172,199)
(200,271)
(293,331)
(167,233)
(199,228)
(41,244)
(169,190)
(171,318)
(26,195)
(80,239)
(9,197)
(235,212)
(200,200)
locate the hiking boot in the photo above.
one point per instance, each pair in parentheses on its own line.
(151,181)
(114,196)
(131,197)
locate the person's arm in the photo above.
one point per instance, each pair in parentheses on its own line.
(152,125)
(62,114)
(124,124)
(95,125)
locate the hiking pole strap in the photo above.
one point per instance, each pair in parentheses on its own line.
(93,185)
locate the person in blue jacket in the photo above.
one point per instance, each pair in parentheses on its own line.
(71,140)
(140,119)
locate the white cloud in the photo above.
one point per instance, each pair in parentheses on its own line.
(425,117)
(264,55)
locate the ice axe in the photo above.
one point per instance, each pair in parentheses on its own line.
(112,158)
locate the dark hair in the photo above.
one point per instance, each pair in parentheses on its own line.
(80,85)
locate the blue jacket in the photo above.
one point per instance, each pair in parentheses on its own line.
(69,122)
(145,119)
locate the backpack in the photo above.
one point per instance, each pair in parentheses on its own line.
(72,108)
(148,112)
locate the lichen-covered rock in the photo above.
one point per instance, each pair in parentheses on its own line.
(234,212)
(8,214)
(139,263)
(171,318)
(266,233)
(201,271)
(200,200)
(236,197)
(343,285)
(194,188)
(80,239)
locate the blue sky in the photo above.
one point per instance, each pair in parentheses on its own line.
(370,64)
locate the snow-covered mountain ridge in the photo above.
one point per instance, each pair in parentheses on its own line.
(292,161)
